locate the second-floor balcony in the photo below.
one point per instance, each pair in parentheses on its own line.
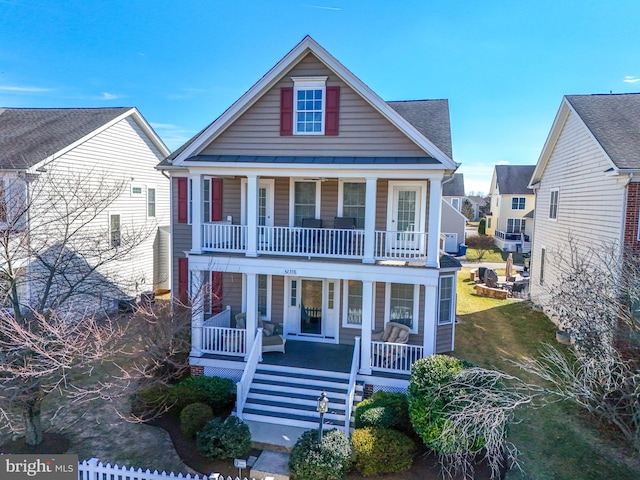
(316,242)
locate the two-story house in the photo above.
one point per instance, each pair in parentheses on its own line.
(77,187)
(586,183)
(310,211)
(511,218)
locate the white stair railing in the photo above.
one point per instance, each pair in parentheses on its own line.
(243,386)
(351,389)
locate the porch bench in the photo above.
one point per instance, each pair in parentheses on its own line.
(274,343)
(490,292)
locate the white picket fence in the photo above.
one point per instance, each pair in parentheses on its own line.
(93,469)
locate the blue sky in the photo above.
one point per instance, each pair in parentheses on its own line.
(503,65)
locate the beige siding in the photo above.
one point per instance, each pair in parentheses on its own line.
(444,335)
(277,299)
(363,131)
(329,202)
(590,202)
(232,292)
(231,201)
(281,200)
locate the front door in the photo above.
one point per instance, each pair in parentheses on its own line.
(265,212)
(312,312)
(405,221)
(311,307)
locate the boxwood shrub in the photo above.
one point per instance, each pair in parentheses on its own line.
(384,410)
(218,393)
(193,417)
(329,460)
(229,438)
(381,450)
(428,405)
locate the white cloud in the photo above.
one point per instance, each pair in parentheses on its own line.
(23,89)
(172,135)
(323,8)
(631,79)
(108,96)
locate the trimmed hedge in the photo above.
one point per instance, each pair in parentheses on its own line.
(230,438)
(329,460)
(193,417)
(384,410)
(428,405)
(381,450)
(218,393)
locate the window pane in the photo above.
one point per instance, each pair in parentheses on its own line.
(354,302)
(115,230)
(206,201)
(354,202)
(151,202)
(401,304)
(446,300)
(305,202)
(262,295)
(309,111)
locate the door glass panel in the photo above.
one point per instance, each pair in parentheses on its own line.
(262,206)
(406,210)
(311,307)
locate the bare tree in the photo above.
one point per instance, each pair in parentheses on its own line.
(481,244)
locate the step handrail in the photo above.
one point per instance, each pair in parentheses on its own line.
(351,389)
(243,386)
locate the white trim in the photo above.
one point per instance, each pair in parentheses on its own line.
(555,190)
(155,201)
(267,316)
(455,203)
(451,300)
(345,305)
(292,199)
(304,84)
(279,70)
(136,186)
(416,304)
(514,197)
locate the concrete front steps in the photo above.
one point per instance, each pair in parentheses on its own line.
(288,396)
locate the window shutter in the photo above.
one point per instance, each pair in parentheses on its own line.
(216,199)
(216,292)
(183,280)
(332,111)
(183,200)
(286,111)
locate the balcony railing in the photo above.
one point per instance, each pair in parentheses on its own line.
(316,242)
(394,357)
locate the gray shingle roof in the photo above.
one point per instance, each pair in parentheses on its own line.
(430,118)
(513,179)
(455,187)
(28,135)
(614,120)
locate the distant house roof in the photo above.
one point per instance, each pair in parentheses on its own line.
(477,200)
(455,187)
(513,179)
(30,135)
(614,120)
(531,214)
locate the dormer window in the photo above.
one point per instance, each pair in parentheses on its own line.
(309,105)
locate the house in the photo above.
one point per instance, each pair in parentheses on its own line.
(511,202)
(75,185)
(453,190)
(477,204)
(311,210)
(585,182)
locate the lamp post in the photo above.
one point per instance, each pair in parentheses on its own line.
(322,408)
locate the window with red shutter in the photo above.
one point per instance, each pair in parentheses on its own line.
(332,111)
(216,199)
(183,200)
(216,292)
(286,111)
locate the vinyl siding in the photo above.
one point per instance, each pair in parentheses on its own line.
(362,130)
(590,202)
(181,234)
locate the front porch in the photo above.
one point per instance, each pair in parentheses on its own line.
(512,241)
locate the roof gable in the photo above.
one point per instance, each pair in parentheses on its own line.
(29,136)
(306,46)
(513,179)
(453,187)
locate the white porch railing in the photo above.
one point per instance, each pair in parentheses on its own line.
(222,319)
(243,386)
(351,390)
(224,341)
(400,245)
(223,237)
(394,357)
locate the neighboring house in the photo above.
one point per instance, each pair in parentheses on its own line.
(453,190)
(477,203)
(511,201)
(312,207)
(586,182)
(453,227)
(60,164)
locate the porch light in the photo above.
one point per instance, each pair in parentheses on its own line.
(322,408)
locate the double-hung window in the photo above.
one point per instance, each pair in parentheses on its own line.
(114,230)
(309,95)
(518,203)
(553,204)
(353,201)
(151,202)
(515,225)
(353,300)
(402,304)
(305,201)
(264,294)
(445,306)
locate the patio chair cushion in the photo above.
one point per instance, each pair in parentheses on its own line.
(274,343)
(393,333)
(268,328)
(241,320)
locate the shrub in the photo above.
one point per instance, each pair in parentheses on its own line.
(384,410)
(230,438)
(480,243)
(193,417)
(427,403)
(152,400)
(218,393)
(381,450)
(482,226)
(329,460)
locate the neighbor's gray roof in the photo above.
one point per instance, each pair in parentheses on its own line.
(29,135)
(455,187)
(614,120)
(429,117)
(513,179)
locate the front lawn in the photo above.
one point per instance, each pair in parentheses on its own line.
(558,441)
(495,255)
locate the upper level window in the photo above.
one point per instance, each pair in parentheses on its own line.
(151,202)
(518,203)
(353,201)
(516,225)
(553,204)
(114,230)
(309,105)
(455,203)
(445,307)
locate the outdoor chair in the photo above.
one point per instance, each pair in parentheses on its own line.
(308,240)
(271,342)
(393,333)
(342,240)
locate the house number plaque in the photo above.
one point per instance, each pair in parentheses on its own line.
(290,272)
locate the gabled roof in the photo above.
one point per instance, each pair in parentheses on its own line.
(31,135)
(513,179)
(307,45)
(613,120)
(453,187)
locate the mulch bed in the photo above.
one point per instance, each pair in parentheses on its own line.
(52,443)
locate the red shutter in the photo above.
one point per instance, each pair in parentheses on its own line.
(286,111)
(216,199)
(183,280)
(183,200)
(216,292)
(332,111)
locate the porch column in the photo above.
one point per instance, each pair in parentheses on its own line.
(252,216)
(252,310)
(197,313)
(367,324)
(369,221)
(196,213)
(430,319)
(435,213)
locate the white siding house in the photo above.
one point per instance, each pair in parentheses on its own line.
(52,159)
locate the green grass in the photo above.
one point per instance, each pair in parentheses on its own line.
(557,441)
(493,256)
